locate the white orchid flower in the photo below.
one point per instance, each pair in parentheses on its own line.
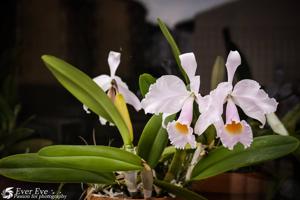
(246,94)
(169,95)
(114,83)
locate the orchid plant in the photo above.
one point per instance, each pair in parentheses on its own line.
(181,115)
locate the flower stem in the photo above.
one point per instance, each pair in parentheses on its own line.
(175,165)
(199,152)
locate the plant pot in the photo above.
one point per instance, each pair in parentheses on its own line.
(233,186)
(97,197)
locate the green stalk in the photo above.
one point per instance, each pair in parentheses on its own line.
(175,165)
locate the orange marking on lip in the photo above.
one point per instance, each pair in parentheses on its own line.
(182,128)
(234,128)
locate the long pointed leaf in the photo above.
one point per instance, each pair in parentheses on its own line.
(178,191)
(262,149)
(31,167)
(153,140)
(87,92)
(174,47)
(92,158)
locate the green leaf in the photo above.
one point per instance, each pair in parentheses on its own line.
(153,140)
(145,80)
(167,153)
(178,191)
(218,72)
(87,92)
(31,167)
(262,149)
(174,47)
(291,119)
(92,158)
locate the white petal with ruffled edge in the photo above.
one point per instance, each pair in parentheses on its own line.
(180,133)
(232,63)
(166,95)
(211,107)
(180,138)
(254,101)
(113,62)
(229,139)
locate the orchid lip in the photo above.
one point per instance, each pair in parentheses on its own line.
(234,128)
(182,128)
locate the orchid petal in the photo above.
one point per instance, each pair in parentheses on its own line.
(233,61)
(166,95)
(219,126)
(164,117)
(231,112)
(203,102)
(230,140)
(130,98)
(178,139)
(103,81)
(186,114)
(120,82)
(195,84)
(86,109)
(103,121)
(189,64)
(254,101)
(211,107)
(113,62)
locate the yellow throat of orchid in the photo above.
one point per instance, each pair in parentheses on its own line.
(234,128)
(182,128)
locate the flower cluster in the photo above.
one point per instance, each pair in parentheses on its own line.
(169,95)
